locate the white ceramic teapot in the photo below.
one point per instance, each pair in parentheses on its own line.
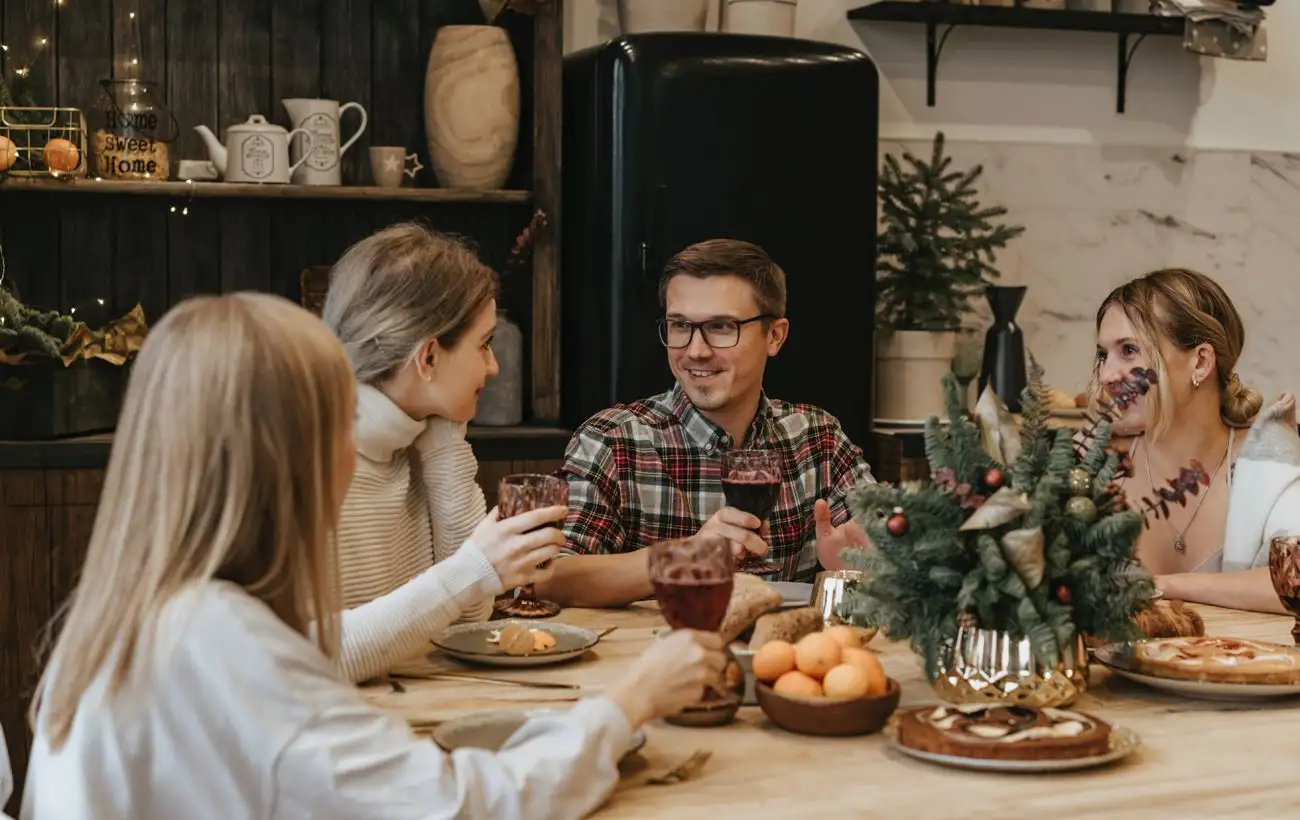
(255,151)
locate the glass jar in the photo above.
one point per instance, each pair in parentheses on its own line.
(134,132)
(502,402)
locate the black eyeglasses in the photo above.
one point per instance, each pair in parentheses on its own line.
(719,333)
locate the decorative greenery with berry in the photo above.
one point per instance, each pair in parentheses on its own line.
(1021,528)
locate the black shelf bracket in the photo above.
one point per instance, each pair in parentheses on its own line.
(933,49)
(1125,60)
(1129,30)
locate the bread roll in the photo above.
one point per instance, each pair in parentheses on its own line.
(750,597)
(788,626)
(1170,619)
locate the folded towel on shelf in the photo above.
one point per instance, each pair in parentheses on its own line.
(1222,28)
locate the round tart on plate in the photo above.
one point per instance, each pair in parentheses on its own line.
(1218,660)
(995,731)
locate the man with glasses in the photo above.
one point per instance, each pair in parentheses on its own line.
(650,470)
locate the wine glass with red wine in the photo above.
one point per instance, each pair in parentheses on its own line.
(693,578)
(751,481)
(1284,569)
(521,493)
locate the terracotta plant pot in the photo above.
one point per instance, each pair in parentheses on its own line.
(471,106)
(910,365)
(829,717)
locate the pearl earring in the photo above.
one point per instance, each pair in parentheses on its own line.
(1196,380)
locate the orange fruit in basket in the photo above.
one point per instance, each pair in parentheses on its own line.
(844,635)
(816,654)
(8,153)
(772,660)
(846,681)
(61,155)
(797,684)
(866,662)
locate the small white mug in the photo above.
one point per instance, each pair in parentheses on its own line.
(388,164)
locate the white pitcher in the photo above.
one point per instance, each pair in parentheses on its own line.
(320,118)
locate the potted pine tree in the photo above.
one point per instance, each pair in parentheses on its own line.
(936,250)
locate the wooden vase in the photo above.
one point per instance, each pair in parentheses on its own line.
(471,106)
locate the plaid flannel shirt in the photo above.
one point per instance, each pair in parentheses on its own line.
(651,470)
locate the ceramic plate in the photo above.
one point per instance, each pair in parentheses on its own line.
(793,593)
(490,730)
(1122,743)
(1110,657)
(470,642)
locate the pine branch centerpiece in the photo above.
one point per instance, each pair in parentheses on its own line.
(1020,544)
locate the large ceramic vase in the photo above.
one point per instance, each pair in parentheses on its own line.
(993,666)
(1004,347)
(471,106)
(638,16)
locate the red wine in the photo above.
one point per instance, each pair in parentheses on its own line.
(694,603)
(756,496)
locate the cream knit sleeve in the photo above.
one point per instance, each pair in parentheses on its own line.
(456,504)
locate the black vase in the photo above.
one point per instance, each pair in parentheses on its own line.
(1004,347)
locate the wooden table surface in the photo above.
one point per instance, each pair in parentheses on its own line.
(1198,758)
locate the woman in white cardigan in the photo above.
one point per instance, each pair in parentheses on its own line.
(1214,549)
(415,311)
(192,676)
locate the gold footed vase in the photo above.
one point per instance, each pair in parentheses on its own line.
(989,665)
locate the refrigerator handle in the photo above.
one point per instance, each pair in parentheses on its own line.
(654,227)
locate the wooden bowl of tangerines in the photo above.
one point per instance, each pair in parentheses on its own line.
(825,683)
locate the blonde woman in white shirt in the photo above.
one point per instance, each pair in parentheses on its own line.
(415,311)
(189,678)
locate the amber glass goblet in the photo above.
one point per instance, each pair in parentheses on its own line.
(1284,569)
(521,493)
(751,482)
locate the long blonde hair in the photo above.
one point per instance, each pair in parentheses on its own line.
(1185,309)
(400,287)
(224,466)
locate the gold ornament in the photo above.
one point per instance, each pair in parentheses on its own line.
(1079,482)
(1081,508)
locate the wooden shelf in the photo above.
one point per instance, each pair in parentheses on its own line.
(91,451)
(935,13)
(199,190)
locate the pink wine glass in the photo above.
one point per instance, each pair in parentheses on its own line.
(521,493)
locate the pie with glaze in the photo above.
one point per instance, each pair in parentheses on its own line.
(1218,660)
(995,731)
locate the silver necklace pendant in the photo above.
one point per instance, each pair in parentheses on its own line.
(1180,546)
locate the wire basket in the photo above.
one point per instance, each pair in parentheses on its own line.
(33,131)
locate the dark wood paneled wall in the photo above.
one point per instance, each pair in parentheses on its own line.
(219,62)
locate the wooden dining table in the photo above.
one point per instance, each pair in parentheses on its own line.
(1198,758)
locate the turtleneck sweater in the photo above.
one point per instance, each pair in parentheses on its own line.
(408,569)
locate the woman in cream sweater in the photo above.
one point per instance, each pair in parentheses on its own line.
(415,311)
(1214,549)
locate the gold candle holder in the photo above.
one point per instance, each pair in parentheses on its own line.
(828,591)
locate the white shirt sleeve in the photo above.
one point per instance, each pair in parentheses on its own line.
(353,762)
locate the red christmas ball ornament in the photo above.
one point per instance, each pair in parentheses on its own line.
(1063,594)
(897,523)
(994,478)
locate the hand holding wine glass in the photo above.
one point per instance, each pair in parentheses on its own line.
(670,675)
(515,546)
(751,481)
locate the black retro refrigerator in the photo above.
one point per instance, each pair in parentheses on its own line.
(673,138)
